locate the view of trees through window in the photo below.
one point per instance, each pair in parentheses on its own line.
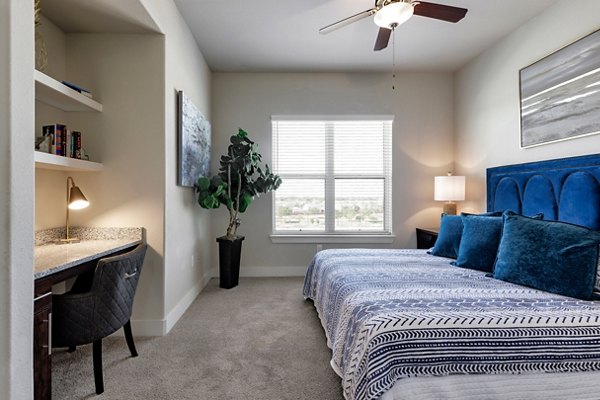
(335,176)
(356,208)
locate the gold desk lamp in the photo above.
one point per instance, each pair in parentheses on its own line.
(75,201)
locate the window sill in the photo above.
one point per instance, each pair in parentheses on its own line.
(362,239)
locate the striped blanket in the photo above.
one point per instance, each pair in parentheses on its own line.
(393,314)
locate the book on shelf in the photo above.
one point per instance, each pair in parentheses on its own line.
(57,134)
(63,142)
(76,144)
(78,89)
(68,144)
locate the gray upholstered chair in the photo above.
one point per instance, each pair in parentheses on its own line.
(88,317)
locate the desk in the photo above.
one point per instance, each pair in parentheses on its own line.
(55,263)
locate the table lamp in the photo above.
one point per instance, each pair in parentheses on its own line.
(449,189)
(75,201)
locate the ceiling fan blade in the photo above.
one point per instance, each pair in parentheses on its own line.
(347,21)
(383,38)
(440,11)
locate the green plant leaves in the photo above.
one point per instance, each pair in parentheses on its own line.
(210,201)
(211,192)
(245,200)
(240,178)
(203,183)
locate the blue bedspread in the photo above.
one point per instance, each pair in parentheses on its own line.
(392,314)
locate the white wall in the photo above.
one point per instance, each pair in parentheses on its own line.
(187,240)
(125,72)
(136,77)
(50,187)
(422,145)
(16,199)
(487,96)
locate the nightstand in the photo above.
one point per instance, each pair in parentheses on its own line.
(426,237)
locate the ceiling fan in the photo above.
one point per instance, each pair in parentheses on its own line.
(389,14)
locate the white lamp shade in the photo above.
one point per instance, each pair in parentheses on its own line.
(449,188)
(393,15)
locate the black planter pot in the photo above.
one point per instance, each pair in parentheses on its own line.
(230,251)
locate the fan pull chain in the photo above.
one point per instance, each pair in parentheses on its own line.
(394,57)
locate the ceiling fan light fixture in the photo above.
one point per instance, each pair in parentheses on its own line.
(394,14)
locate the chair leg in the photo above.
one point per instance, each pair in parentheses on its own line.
(72,349)
(129,339)
(97,356)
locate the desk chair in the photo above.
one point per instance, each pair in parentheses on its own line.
(87,317)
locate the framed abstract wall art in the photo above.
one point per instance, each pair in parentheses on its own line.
(194,142)
(560,94)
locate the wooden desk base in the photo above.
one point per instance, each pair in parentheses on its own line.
(42,323)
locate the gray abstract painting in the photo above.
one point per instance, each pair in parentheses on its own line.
(194,142)
(560,94)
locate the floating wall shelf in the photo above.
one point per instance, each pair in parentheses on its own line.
(55,94)
(60,163)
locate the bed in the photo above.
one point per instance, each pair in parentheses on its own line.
(404,324)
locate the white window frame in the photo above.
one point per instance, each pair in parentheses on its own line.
(330,235)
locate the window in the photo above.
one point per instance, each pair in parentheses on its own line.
(336,174)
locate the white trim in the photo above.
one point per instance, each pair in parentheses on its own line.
(164,326)
(146,327)
(329,117)
(186,301)
(358,239)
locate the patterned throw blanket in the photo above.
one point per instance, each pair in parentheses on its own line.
(392,314)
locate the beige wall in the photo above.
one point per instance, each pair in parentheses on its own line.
(50,185)
(487,96)
(136,77)
(16,199)
(125,72)
(422,145)
(188,243)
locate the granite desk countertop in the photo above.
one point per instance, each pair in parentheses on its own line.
(51,257)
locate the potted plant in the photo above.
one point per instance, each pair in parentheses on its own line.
(240,179)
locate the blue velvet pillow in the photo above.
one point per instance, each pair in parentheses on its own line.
(448,240)
(557,257)
(449,236)
(480,240)
(479,243)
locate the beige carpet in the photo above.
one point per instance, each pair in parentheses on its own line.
(258,341)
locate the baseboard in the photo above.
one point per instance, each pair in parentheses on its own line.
(265,272)
(186,301)
(146,327)
(163,327)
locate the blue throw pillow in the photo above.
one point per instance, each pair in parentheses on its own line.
(479,243)
(448,240)
(449,236)
(480,240)
(557,257)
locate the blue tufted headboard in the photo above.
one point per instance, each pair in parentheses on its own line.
(566,189)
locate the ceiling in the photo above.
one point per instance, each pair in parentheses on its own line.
(282,35)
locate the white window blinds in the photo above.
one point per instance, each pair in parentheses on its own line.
(336,174)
